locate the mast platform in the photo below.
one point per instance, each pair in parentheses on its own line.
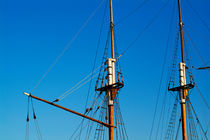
(187,86)
(117,86)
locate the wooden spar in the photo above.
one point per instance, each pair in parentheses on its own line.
(112,29)
(182,91)
(111,122)
(203,68)
(110,106)
(69,110)
(181,31)
(184,128)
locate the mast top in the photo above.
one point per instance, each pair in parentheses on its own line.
(112,30)
(181,31)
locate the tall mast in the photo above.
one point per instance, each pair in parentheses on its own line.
(182,92)
(112,79)
(111,28)
(181,31)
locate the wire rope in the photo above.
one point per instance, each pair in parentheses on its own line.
(195,11)
(77,85)
(202,97)
(191,124)
(193,44)
(144,29)
(165,55)
(27,121)
(98,44)
(132,12)
(125,136)
(190,104)
(73,90)
(171,123)
(90,126)
(76,129)
(197,33)
(94,97)
(177,133)
(68,45)
(39,135)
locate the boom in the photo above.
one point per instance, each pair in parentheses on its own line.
(69,110)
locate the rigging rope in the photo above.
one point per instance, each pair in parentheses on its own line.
(74,89)
(177,133)
(144,29)
(171,124)
(39,135)
(189,74)
(38,132)
(132,12)
(27,121)
(201,19)
(191,124)
(197,32)
(161,113)
(27,129)
(193,44)
(98,44)
(99,133)
(92,99)
(173,68)
(160,84)
(71,137)
(121,124)
(202,97)
(76,86)
(103,113)
(95,98)
(89,125)
(68,45)
(119,71)
(197,119)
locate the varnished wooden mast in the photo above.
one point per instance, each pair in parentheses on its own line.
(110,106)
(181,31)
(112,29)
(184,91)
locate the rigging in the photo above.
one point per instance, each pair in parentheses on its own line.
(68,45)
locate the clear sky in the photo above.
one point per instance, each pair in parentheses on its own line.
(34,33)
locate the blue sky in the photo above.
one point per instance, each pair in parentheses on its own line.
(34,33)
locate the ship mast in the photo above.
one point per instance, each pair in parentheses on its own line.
(183,88)
(112,29)
(111,62)
(182,77)
(111,88)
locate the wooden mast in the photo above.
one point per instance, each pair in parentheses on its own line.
(182,92)
(111,28)
(110,93)
(181,31)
